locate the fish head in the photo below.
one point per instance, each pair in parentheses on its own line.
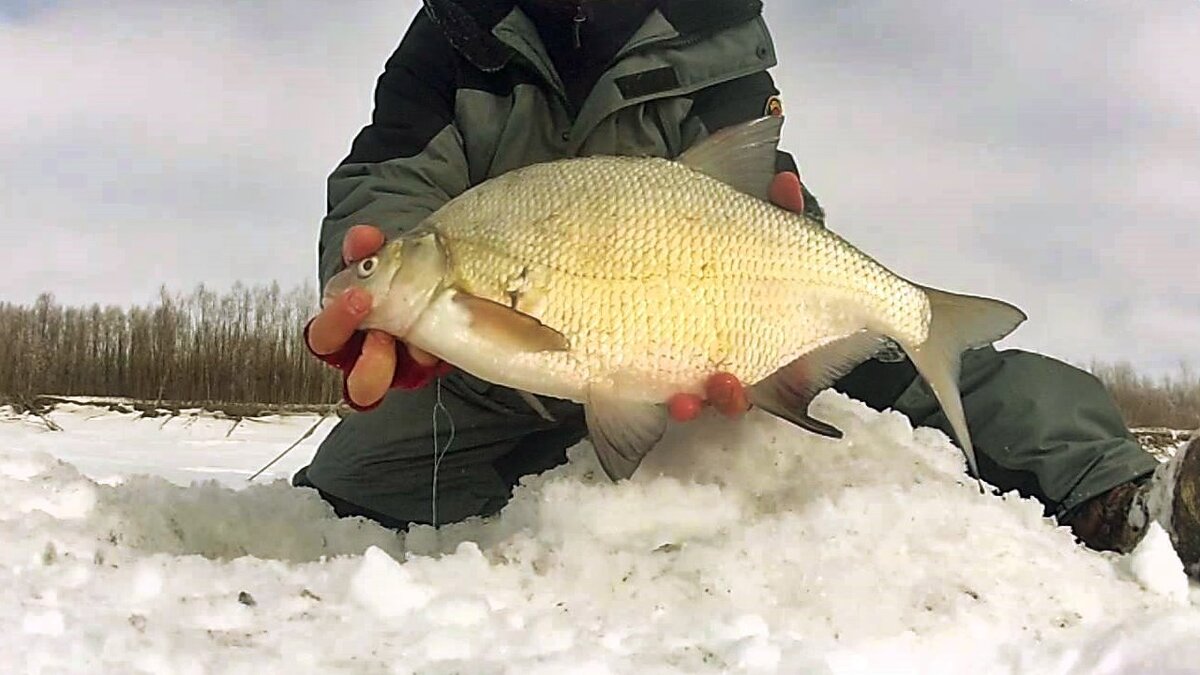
(402,278)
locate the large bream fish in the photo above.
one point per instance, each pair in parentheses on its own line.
(617,282)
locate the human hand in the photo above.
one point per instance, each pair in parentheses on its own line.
(373,361)
(724,391)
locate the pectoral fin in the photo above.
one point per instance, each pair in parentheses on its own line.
(509,327)
(536,405)
(622,432)
(788,392)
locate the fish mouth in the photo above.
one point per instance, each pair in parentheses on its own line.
(337,285)
(378,286)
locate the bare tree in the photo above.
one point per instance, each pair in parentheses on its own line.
(244,345)
(1169,401)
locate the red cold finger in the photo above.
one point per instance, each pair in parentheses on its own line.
(684,407)
(372,375)
(727,394)
(334,326)
(360,242)
(786,192)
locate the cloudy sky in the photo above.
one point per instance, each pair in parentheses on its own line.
(1042,151)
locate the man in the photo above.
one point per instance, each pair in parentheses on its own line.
(481,87)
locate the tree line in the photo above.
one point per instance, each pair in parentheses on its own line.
(242,345)
(245,345)
(1171,401)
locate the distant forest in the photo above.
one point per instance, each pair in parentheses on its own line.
(244,345)
(1171,401)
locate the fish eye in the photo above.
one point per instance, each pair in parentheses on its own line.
(366,267)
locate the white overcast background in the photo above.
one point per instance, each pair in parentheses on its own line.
(1042,151)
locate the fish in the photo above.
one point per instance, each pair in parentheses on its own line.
(617,281)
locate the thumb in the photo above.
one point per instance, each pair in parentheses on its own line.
(786,193)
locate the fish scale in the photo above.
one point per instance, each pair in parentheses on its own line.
(642,257)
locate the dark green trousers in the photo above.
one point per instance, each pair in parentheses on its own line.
(1040,426)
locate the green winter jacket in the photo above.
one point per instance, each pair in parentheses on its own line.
(471,93)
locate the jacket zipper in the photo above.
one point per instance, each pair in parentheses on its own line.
(578,22)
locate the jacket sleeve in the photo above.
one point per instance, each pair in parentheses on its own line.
(741,100)
(409,160)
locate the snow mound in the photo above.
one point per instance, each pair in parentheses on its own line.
(753,547)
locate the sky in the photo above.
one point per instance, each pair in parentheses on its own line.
(1043,152)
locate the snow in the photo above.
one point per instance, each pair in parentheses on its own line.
(1154,564)
(135,545)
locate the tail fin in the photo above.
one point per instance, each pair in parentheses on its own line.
(958,323)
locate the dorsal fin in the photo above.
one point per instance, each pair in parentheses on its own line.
(742,155)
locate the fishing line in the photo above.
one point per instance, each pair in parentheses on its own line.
(439,450)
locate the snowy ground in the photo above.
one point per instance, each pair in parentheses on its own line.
(750,548)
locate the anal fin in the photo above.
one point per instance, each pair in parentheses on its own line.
(622,432)
(788,391)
